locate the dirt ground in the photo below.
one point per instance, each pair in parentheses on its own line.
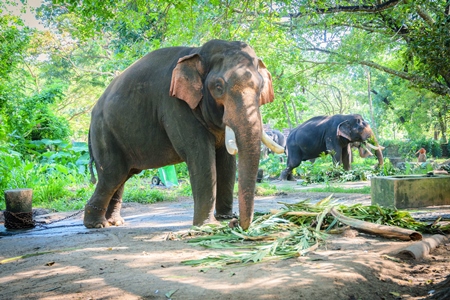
(139,261)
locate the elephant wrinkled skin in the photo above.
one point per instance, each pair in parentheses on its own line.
(173,105)
(329,134)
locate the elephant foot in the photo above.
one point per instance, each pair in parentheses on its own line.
(113,213)
(116,220)
(233,223)
(94,218)
(290,177)
(209,221)
(284,175)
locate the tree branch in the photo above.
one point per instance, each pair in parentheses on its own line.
(419,81)
(425,16)
(112,74)
(354,8)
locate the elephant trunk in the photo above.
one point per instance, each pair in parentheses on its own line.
(373,143)
(248,141)
(247,173)
(378,152)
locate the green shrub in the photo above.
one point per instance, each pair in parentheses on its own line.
(273,164)
(408,148)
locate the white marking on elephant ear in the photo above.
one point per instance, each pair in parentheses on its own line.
(186,81)
(339,132)
(267,94)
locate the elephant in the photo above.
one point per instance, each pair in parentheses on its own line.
(330,134)
(199,105)
(278,137)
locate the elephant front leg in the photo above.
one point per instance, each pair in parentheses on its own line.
(226,178)
(203,182)
(113,212)
(293,162)
(346,157)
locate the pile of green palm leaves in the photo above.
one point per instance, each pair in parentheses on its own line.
(290,232)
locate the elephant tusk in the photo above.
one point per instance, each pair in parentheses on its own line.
(365,148)
(270,143)
(230,141)
(375,147)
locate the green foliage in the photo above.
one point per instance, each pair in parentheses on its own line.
(337,189)
(9,160)
(273,164)
(323,169)
(57,155)
(265,189)
(33,118)
(408,148)
(13,41)
(138,189)
(54,186)
(182,170)
(55,170)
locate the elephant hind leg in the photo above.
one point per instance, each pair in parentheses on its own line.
(115,205)
(95,209)
(113,211)
(103,209)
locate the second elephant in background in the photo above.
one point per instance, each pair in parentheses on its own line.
(334,135)
(278,137)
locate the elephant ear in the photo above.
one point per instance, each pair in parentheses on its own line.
(343,129)
(267,94)
(186,81)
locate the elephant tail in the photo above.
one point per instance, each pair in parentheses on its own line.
(91,160)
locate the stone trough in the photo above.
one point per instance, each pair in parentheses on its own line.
(411,191)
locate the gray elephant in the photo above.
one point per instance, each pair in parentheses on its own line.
(278,137)
(330,134)
(178,104)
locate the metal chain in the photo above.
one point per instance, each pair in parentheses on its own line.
(25,220)
(95,207)
(65,218)
(18,220)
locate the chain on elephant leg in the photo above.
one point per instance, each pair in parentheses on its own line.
(113,212)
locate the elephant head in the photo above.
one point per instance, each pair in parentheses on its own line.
(359,134)
(354,129)
(225,85)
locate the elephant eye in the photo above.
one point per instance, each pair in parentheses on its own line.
(217,87)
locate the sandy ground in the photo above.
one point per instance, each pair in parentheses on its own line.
(139,261)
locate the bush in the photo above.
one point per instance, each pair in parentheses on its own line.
(50,168)
(407,149)
(273,164)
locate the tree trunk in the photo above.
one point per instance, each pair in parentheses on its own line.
(374,125)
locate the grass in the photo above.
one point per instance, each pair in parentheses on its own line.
(337,189)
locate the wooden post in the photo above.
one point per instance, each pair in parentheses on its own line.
(19,212)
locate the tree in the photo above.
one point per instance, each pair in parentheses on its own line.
(318,52)
(412,34)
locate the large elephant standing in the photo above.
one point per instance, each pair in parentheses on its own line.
(330,134)
(173,105)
